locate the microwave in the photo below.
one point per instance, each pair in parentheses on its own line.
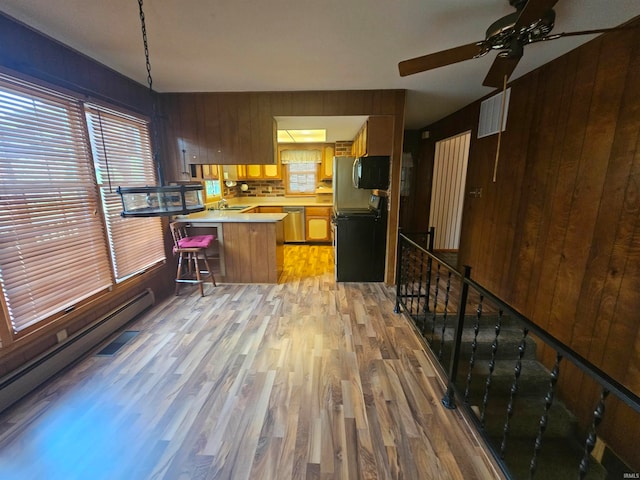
(371,172)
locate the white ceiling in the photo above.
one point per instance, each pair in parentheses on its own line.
(283,45)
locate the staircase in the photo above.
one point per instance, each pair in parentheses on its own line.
(562,445)
(497,379)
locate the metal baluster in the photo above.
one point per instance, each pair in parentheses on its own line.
(428,285)
(420,296)
(548,401)
(399,272)
(405,275)
(412,271)
(449,400)
(514,391)
(474,347)
(598,413)
(407,261)
(429,267)
(425,298)
(435,304)
(415,291)
(492,366)
(445,314)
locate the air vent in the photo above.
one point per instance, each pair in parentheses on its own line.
(490,114)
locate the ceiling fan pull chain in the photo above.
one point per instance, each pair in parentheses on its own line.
(504,98)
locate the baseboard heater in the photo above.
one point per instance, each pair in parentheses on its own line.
(17,384)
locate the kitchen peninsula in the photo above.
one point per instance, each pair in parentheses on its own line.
(250,246)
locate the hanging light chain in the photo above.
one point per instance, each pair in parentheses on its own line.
(146,46)
(154,113)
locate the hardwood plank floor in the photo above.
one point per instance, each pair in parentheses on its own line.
(303,379)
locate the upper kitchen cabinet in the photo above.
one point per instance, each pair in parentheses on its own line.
(326,168)
(264,172)
(375,137)
(234,172)
(210,172)
(219,128)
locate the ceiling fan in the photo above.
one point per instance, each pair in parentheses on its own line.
(532,22)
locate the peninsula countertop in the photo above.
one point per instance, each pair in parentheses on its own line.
(231,216)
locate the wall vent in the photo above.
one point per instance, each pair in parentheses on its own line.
(490,114)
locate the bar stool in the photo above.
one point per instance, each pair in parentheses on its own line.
(191,249)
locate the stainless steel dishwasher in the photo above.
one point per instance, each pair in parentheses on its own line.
(294,224)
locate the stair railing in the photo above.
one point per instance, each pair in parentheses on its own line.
(426,290)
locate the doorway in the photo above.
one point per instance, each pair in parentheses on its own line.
(447,190)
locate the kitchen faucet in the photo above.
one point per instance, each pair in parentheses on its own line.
(222,204)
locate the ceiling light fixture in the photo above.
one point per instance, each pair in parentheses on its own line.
(163,200)
(302,136)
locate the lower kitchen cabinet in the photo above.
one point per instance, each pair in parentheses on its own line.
(270,209)
(253,252)
(318,224)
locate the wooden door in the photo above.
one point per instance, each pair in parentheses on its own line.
(447,191)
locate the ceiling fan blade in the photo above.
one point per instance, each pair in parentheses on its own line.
(532,12)
(501,66)
(440,59)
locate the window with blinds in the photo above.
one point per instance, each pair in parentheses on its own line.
(53,252)
(122,157)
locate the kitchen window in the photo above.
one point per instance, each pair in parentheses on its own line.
(301,178)
(57,249)
(301,171)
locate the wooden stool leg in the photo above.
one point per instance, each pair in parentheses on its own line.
(179,272)
(196,265)
(209,271)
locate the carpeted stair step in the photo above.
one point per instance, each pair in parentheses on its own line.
(486,322)
(525,421)
(558,459)
(533,381)
(508,344)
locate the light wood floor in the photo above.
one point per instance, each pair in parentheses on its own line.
(304,379)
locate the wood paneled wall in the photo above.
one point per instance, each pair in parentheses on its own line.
(196,121)
(558,234)
(27,51)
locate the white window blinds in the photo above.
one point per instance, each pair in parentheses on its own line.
(52,248)
(122,156)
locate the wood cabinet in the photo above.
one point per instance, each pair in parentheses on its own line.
(375,137)
(254,172)
(211,172)
(234,172)
(318,224)
(224,128)
(271,209)
(264,172)
(326,168)
(253,252)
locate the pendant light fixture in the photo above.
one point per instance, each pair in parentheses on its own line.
(163,200)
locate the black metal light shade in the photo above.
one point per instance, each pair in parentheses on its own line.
(161,201)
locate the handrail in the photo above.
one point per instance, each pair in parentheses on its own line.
(601,377)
